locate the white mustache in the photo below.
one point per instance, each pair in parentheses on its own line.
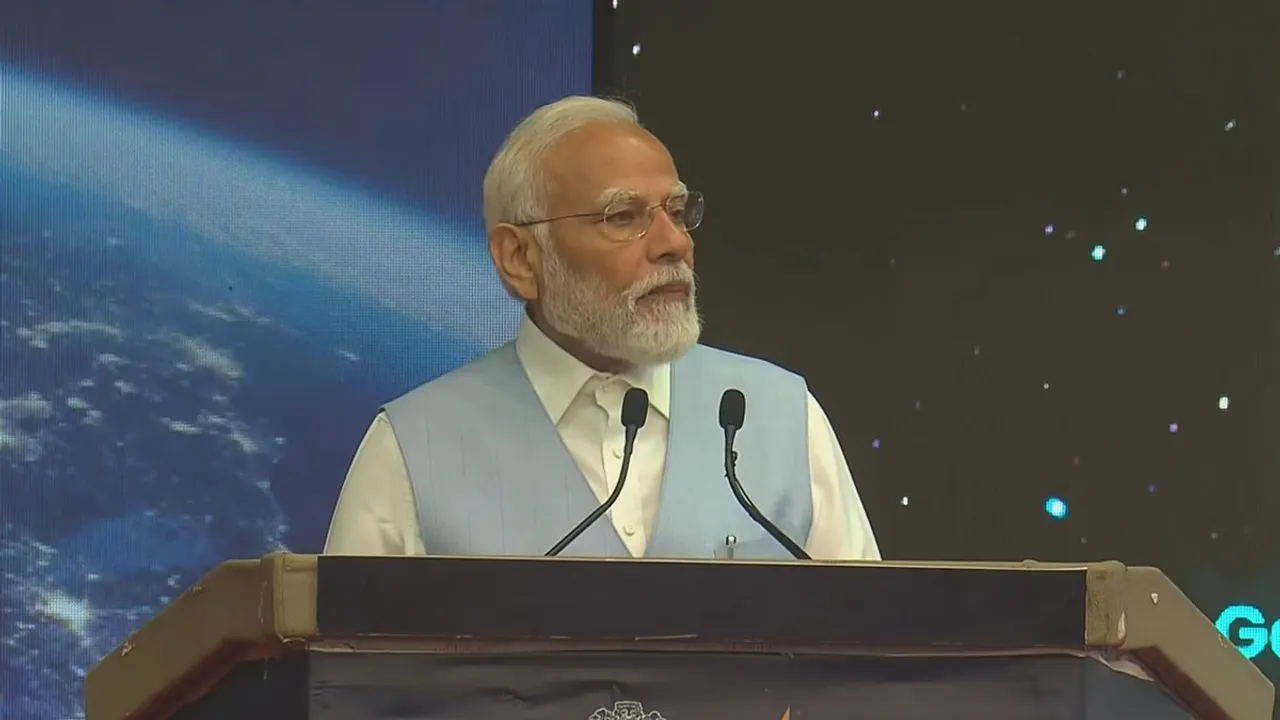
(666,275)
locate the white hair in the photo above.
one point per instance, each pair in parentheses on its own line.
(515,188)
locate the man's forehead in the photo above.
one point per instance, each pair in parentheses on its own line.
(602,159)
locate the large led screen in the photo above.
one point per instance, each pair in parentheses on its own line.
(228,231)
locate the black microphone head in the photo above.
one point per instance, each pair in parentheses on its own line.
(635,408)
(733,409)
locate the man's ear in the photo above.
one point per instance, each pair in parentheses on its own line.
(515,255)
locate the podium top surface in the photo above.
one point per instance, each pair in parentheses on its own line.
(251,609)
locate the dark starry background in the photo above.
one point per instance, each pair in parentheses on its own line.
(1026,253)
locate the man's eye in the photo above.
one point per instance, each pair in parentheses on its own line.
(622,218)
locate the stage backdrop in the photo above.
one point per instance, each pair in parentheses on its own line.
(1027,254)
(228,231)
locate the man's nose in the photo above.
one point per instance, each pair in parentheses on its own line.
(668,240)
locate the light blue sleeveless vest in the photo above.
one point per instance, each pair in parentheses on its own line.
(491,475)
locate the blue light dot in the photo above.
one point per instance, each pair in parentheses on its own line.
(1098,253)
(1056,508)
(875,443)
(1048,229)
(1140,224)
(1173,427)
(1122,311)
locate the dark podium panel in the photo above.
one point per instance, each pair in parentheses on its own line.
(301,636)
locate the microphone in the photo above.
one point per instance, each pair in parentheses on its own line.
(635,408)
(733,410)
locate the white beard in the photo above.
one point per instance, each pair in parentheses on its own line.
(646,332)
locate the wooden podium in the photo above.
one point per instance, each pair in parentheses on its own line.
(304,636)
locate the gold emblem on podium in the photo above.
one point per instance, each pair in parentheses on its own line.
(626,710)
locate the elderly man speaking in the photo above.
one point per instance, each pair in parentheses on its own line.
(589,225)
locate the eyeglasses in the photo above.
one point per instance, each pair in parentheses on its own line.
(628,220)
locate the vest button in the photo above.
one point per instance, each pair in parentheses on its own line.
(629,529)
(617,451)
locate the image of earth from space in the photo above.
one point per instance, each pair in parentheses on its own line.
(176,389)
